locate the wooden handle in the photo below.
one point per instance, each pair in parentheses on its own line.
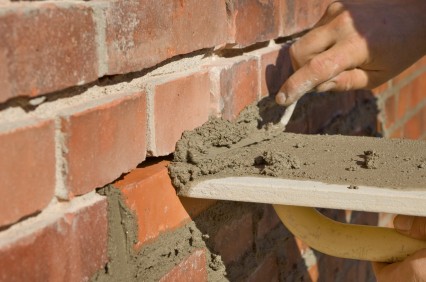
(347,240)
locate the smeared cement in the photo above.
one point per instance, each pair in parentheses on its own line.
(153,260)
(253,145)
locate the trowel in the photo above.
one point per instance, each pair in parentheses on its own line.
(295,202)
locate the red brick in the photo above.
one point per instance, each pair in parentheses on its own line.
(253,21)
(234,238)
(68,242)
(390,111)
(299,15)
(405,75)
(192,269)
(45,47)
(268,270)
(27,168)
(141,34)
(397,133)
(275,68)
(418,90)
(268,221)
(102,140)
(149,192)
(403,101)
(413,127)
(236,81)
(181,102)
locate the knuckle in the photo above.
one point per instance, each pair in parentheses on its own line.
(334,7)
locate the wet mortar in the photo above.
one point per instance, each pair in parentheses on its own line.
(254,145)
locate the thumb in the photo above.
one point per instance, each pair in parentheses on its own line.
(413,226)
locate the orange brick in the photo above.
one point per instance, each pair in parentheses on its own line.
(141,34)
(45,47)
(418,90)
(253,20)
(403,76)
(148,191)
(27,168)
(275,68)
(234,238)
(403,104)
(398,133)
(390,111)
(413,127)
(181,102)
(102,140)
(236,81)
(194,206)
(192,269)
(68,242)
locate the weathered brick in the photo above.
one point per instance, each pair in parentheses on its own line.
(253,21)
(275,68)
(235,84)
(102,140)
(181,102)
(404,101)
(27,168)
(268,270)
(408,73)
(67,242)
(299,15)
(141,34)
(148,191)
(45,47)
(234,238)
(192,269)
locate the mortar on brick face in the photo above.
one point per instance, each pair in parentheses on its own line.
(153,260)
(249,146)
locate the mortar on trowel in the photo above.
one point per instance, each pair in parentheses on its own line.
(240,161)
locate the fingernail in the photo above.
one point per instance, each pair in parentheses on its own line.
(280,98)
(403,222)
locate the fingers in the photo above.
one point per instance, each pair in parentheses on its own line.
(413,226)
(346,80)
(310,45)
(318,70)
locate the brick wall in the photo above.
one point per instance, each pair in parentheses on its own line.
(98,92)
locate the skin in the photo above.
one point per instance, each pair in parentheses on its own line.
(356,45)
(412,268)
(360,45)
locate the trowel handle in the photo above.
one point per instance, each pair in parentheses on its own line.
(350,241)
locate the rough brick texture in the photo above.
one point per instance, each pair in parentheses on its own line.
(148,191)
(234,85)
(27,168)
(102,140)
(192,269)
(66,243)
(246,31)
(181,102)
(122,80)
(140,34)
(45,47)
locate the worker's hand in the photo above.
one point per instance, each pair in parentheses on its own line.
(356,44)
(412,268)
